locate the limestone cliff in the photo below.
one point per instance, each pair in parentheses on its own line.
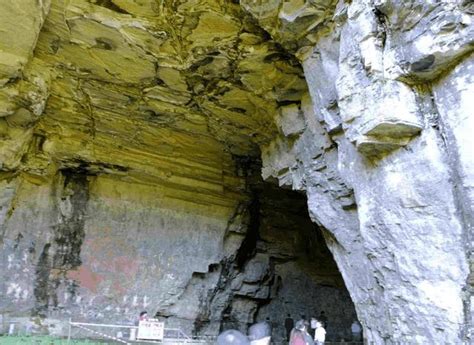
(382,150)
(131,137)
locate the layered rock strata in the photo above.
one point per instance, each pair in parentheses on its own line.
(125,191)
(127,127)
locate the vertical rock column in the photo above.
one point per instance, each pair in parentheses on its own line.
(454,103)
(396,125)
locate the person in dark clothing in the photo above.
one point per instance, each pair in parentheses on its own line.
(323,319)
(270,325)
(312,327)
(142,317)
(289,324)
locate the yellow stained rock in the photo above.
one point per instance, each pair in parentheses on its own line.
(144,91)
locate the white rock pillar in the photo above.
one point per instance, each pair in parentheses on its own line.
(403,147)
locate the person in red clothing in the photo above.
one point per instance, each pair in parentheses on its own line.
(299,335)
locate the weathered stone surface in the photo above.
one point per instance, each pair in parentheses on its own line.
(132,128)
(63,261)
(20,24)
(294,23)
(389,214)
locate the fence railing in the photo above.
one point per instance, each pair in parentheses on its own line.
(89,327)
(173,335)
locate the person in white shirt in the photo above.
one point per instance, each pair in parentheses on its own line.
(319,334)
(356,331)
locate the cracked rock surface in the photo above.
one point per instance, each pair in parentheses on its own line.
(134,133)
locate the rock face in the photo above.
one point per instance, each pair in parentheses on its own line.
(100,249)
(132,133)
(383,166)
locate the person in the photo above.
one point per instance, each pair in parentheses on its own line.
(270,325)
(306,330)
(323,319)
(143,316)
(319,334)
(313,326)
(299,335)
(356,331)
(289,324)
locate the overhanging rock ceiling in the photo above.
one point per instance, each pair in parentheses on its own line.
(138,85)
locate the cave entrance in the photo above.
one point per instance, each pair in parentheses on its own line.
(288,270)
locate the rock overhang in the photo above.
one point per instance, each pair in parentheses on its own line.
(185,81)
(385,102)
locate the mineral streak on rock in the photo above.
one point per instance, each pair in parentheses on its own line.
(134,135)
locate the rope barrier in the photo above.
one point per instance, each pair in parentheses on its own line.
(101,334)
(181,337)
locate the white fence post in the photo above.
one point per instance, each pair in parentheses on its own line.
(69,332)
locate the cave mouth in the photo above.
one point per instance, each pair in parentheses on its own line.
(198,267)
(282,267)
(289,270)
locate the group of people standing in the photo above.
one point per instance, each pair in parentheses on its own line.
(313,332)
(306,333)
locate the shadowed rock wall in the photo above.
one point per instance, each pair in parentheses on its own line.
(98,249)
(95,248)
